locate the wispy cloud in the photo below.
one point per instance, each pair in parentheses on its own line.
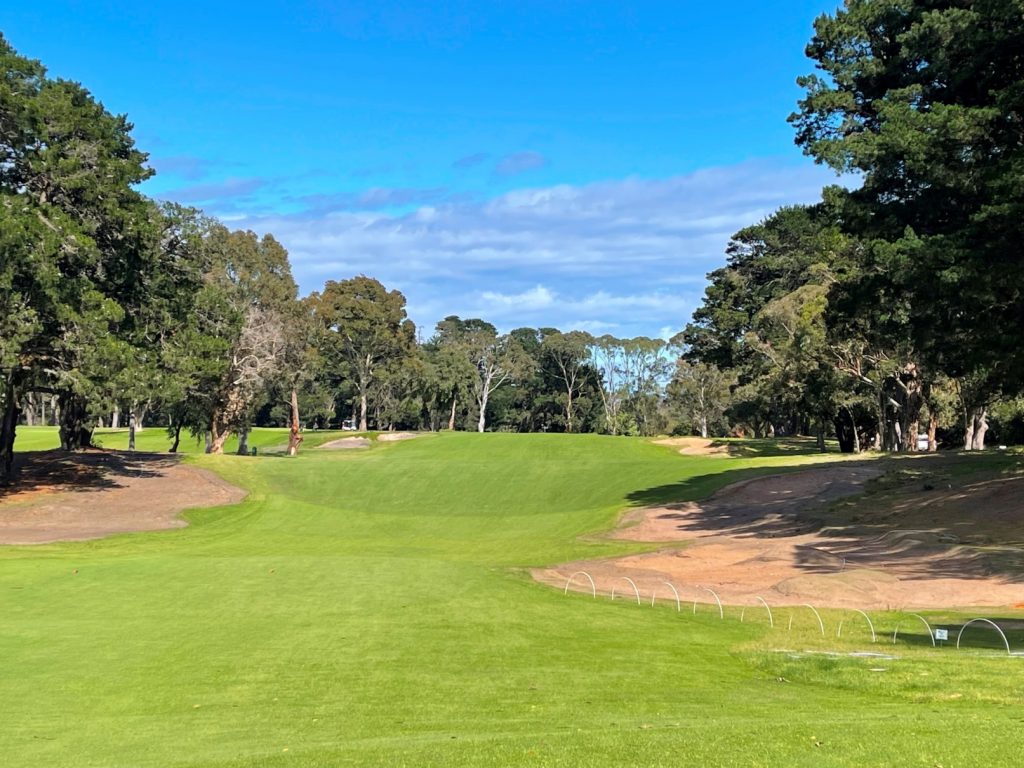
(375,198)
(185,167)
(519,162)
(471,161)
(628,254)
(215,192)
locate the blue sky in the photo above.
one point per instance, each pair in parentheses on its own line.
(559,163)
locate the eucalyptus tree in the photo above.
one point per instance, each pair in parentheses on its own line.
(567,356)
(449,376)
(495,359)
(365,332)
(699,394)
(244,310)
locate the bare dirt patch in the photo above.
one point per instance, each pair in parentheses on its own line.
(346,444)
(695,446)
(394,437)
(789,539)
(89,495)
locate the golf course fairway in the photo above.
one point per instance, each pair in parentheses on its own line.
(375,608)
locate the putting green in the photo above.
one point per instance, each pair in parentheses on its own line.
(371,608)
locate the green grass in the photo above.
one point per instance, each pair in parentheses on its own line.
(155,439)
(371,608)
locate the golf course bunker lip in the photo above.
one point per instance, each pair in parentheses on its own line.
(776,538)
(695,446)
(394,437)
(346,444)
(93,494)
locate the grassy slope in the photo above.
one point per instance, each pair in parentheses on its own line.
(366,608)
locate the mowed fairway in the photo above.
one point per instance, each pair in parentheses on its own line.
(371,608)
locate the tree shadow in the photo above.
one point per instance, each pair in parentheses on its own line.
(44,472)
(751,448)
(780,503)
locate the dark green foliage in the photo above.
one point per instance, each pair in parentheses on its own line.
(924,100)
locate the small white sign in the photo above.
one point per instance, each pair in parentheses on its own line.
(942,634)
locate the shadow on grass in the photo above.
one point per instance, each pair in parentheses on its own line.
(91,470)
(751,448)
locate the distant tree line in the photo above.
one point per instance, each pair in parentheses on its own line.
(879,313)
(116,310)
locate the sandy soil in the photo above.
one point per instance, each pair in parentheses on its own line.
(346,444)
(695,446)
(782,538)
(393,437)
(73,497)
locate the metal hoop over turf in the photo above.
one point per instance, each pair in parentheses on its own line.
(817,615)
(771,621)
(675,592)
(987,621)
(593,587)
(633,585)
(870,625)
(721,613)
(931,634)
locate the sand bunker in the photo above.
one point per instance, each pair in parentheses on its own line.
(695,446)
(346,443)
(393,437)
(778,538)
(73,497)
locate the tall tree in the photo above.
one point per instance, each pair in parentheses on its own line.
(367,330)
(923,99)
(76,239)
(699,393)
(567,353)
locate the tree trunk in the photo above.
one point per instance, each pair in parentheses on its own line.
(568,411)
(8,427)
(933,426)
(704,425)
(821,435)
(482,421)
(115,418)
(451,416)
(177,438)
(131,431)
(243,441)
(29,409)
(363,426)
(975,427)
(294,438)
(74,434)
(140,416)
(217,437)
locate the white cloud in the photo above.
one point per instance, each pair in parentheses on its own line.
(533,299)
(626,254)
